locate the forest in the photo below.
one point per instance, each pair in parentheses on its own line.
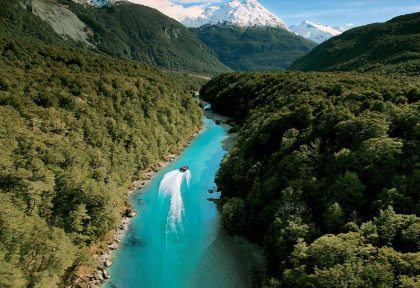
(253,48)
(75,130)
(325,175)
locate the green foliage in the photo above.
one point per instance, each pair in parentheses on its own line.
(385,48)
(252,48)
(334,218)
(190,82)
(352,260)
(42,252)
(139,33)
(316,151)
(233,214)
(75,130)
(18,22)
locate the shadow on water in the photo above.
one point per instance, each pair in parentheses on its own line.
(230,254)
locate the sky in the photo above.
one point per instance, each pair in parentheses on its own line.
(346,13)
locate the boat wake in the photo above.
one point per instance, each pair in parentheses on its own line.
(170,186)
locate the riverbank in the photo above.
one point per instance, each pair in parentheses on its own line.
(252,255)
(104,259)
(226,123)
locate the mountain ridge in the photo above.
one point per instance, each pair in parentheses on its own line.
(389,47)
(314,31)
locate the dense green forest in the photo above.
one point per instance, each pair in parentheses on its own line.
(253,48)
(136,32)
(325,174)
(75,130)
(387,48)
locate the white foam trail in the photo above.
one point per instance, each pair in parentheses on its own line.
(206,107)
(187,177)
(171,186)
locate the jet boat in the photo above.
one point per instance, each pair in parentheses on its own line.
(183,168)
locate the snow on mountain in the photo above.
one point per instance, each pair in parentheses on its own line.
(315,32)
(242,13)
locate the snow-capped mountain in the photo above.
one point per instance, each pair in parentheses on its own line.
(242,13)
(315,32)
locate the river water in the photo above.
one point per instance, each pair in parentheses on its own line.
(177,239)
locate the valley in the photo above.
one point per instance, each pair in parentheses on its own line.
(299,146)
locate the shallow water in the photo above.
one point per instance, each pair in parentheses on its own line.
(177,239)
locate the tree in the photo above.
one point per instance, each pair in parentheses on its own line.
(348,191)
(334,218)
(233,214)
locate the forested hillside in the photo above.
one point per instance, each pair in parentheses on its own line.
(254,48)
(75,130)
(136,32)
(386,48)
(20,23)
(325,174)
(126,31)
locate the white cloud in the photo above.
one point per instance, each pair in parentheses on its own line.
(350,24)
(177,9)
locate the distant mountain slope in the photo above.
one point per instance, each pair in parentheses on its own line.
(126,31)
(253,48)
(19,23)
(315,32)
(140,33)
(390,47)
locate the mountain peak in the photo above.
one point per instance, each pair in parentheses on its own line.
(314,31)
(243,13)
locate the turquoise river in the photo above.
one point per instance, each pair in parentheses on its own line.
(177,239)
